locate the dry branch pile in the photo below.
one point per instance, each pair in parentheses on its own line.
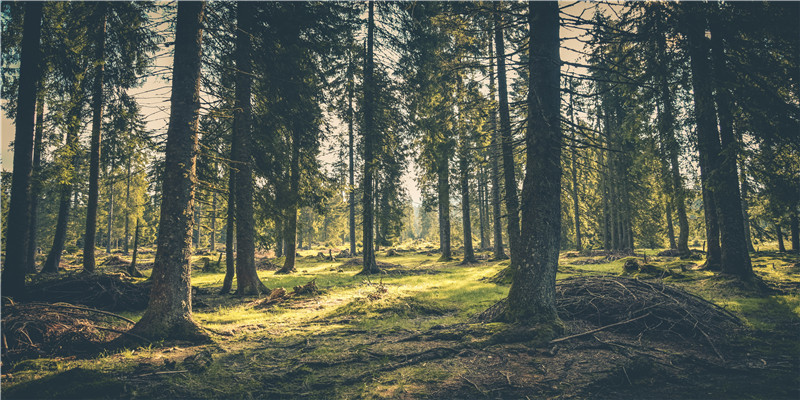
(36,330)
(104,291)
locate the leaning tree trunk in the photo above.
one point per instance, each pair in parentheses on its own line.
(531,298)
(18,220)
(36,186)
(247,281)
(512,201)
(94,152)
(497,222)
(169,312)
(370,266)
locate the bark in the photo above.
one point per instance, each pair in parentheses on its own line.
(481,208)
(466,222)
(169,312)
(278,235)
(213,238)
(36,186)
(746,210)
(670,229)
(507,148)
(351,164)
(575,194)
(18,220)
(94,151)
(290,232)
(230,267)
(370,266)
(735,255)
(497,223)
(132,271)
(110,208)
(531,298)
(713,249)
(247,280)
(794,228)
(443,187)
(127,207)
(781,246)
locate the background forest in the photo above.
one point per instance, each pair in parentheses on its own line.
(260,144)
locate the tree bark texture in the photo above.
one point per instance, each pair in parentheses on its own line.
(497,216)
(13,275)
(466,222)
(531,297)
(230,233)
(169,312)
(36,186)
(370,266)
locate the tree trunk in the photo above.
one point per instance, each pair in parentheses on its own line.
(723,181)
(127,207)
(575,194)
(466,222)
(670,229)
(781,246)
(278,235)
(132,271)
(213,238)
(94,152)
(370,266)
(443,188)
(351,164)
(169,312)
(481,209)
(713,250)
(497,222)
(531,298)
(290,233)
(735,255)
(230,232)
(18,219)
(110,209)
(36,186)
(746,210)
(507,147)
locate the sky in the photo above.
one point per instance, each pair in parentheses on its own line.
(153,97)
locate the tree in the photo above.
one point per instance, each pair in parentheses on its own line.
(497,226)
(532,294)
(247,281)
(13,277)
(169,311)
(370,266)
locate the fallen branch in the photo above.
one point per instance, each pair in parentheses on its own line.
(565,338)
(88,309)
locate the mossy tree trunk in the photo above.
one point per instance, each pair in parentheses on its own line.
(169,312)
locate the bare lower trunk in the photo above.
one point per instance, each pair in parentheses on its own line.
(36,187)
(127,207)
(290,235)
(794,228)
(781,246)
(469,253)
(132,271)
(230,266)
(497,221)
(370,265)
(110,227)
(670,229)
(213,238)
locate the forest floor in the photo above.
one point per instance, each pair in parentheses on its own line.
(412,333)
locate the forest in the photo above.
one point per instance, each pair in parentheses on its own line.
(400,199)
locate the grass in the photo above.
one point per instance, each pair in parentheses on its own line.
(324,346)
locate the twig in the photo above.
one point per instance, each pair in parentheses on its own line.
(474,384)
(181,371)
(565,338)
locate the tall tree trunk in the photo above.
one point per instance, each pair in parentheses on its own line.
(723,181)
(94,151)
(36,185)
(351,164)
(507,147)
(132,271)
(290,232)
(781,246)
(575,194)
(278,235)
(169,312)
(531,298)
(51,264)
(481,209)
(497,222)
(370,266)
(230,233)
(110,227)
(466,222)
(443,188)
(213,238)
(746,210)
(670,229)
(735,257)
(247,280)
(18,220)
(794,228)
(713,249)
(127,206)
